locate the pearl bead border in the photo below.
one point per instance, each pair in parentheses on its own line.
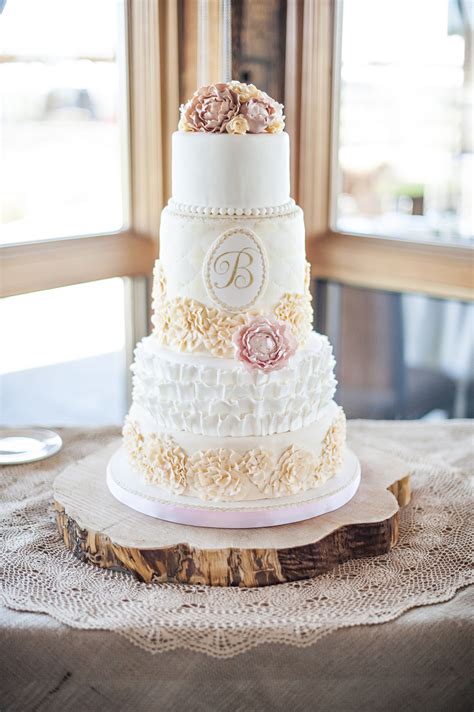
(205,211)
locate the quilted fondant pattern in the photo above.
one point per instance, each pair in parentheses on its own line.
(185,241)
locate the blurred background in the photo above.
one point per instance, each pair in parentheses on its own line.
(382,139)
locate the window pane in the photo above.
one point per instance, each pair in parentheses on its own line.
(403,355)
(405,131)
(62,119)
(64,361)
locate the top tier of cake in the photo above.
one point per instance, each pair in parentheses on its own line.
(231,172)
(231,155)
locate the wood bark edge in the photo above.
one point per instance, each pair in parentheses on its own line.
(186,564)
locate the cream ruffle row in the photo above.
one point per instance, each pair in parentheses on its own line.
(236,469)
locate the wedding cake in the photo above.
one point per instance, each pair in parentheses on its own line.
(233,391)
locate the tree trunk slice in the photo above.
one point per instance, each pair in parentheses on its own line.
(100,530)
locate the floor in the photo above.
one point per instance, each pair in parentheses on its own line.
(87,392)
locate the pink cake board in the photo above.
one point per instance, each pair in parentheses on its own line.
(127,487)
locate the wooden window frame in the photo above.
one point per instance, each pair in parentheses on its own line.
(151,41)
(311,83)
(153,95)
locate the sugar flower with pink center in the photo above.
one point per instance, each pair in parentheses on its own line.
(210,109)
(231,107)
(264,343)
(263,114)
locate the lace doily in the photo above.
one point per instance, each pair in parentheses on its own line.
(431,561)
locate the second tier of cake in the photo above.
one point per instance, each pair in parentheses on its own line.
(217,397)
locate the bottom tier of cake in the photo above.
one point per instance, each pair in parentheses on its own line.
(226,469)
(149,499)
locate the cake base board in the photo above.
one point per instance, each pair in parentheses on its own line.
(130,489)
(101,531)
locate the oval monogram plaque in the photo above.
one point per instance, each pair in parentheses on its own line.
(235,269)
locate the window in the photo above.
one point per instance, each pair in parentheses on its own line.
(401,356)
(388,227)
(63,139)
(404,160)
(94,165)
(64,361)
(65,154)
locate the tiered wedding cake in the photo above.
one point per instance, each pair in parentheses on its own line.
(233,390)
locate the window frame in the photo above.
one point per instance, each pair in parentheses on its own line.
(151,46)
(311,76)
(371,261)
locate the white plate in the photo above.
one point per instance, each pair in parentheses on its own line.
(18,446)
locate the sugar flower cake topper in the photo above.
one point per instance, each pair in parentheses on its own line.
(264,344)
(232,107)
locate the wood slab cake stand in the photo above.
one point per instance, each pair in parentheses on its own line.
(100,530)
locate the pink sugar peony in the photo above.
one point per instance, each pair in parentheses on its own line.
(264,343)
(261,112)
(210,109)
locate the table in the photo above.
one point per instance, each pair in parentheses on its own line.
(420,661)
